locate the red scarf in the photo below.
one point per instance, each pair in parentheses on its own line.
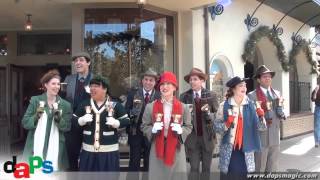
(239,133)
(167,152)
(262,97)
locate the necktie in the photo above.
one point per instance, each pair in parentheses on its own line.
(269,96)
(80,87)
(81,79)
(197,99)
(146,98)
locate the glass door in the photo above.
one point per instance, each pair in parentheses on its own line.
(125,42)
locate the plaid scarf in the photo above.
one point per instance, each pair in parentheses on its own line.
(262,97)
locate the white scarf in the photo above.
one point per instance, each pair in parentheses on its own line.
(39,138)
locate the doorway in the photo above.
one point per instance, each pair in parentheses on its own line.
(17,85)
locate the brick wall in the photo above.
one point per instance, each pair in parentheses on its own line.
(296,125)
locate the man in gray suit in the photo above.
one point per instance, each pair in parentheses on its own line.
(202,103)
(271,102)
(77,90)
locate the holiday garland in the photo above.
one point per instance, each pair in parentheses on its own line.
(304,46)
(255,37)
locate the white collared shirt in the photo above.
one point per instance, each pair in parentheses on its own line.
(264,90)
(144,92)
(199,93)
(80,76)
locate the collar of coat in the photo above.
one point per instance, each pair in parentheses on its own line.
(204,93)
(232,101)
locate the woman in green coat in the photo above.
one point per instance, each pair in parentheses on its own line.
(47,118)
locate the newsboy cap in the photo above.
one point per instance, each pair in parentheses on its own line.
(235,81)
(81,54)
(152,73)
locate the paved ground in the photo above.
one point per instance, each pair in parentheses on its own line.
(297,154)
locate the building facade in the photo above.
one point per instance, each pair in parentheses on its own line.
(125,39)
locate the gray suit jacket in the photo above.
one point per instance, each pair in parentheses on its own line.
(71,87)
(187,98)
(271,137)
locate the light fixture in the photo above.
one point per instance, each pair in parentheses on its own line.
(28,24)
(141,2)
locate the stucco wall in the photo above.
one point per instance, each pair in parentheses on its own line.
(228,34)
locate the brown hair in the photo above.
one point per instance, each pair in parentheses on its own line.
(229,93)
(50,75)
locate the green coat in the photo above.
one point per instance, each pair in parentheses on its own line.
(28,122)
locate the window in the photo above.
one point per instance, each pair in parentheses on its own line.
(126,42)
(3,45)
(216,80)
(44,44)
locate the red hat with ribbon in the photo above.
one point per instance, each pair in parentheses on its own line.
(168,77)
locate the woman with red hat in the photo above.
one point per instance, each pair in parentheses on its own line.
(166,123)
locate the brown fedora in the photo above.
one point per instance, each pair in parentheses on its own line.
(196,72)
(263,70)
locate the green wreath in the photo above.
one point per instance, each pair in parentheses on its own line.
(265,31)
(304,46)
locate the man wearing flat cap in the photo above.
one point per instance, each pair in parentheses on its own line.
(76,90)
(99,119)
(135,105)
(202,103)
(271,102)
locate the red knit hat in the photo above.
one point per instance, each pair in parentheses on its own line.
(168,77)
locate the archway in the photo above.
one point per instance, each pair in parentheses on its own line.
(250,68)
(263,41)
(300,77)
(220,72)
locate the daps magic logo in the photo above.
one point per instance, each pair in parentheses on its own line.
(24,169)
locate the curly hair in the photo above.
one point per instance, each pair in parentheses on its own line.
(54,73)
(229,93)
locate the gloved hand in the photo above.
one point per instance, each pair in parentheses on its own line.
(85,119)
(176,127)
(280,113)
(111,121)
(260,112)
(39,112)
(157,126)
(56,115)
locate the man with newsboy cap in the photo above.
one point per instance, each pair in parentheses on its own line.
(271,102)
(135,105)
(202,103)
(77,89)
